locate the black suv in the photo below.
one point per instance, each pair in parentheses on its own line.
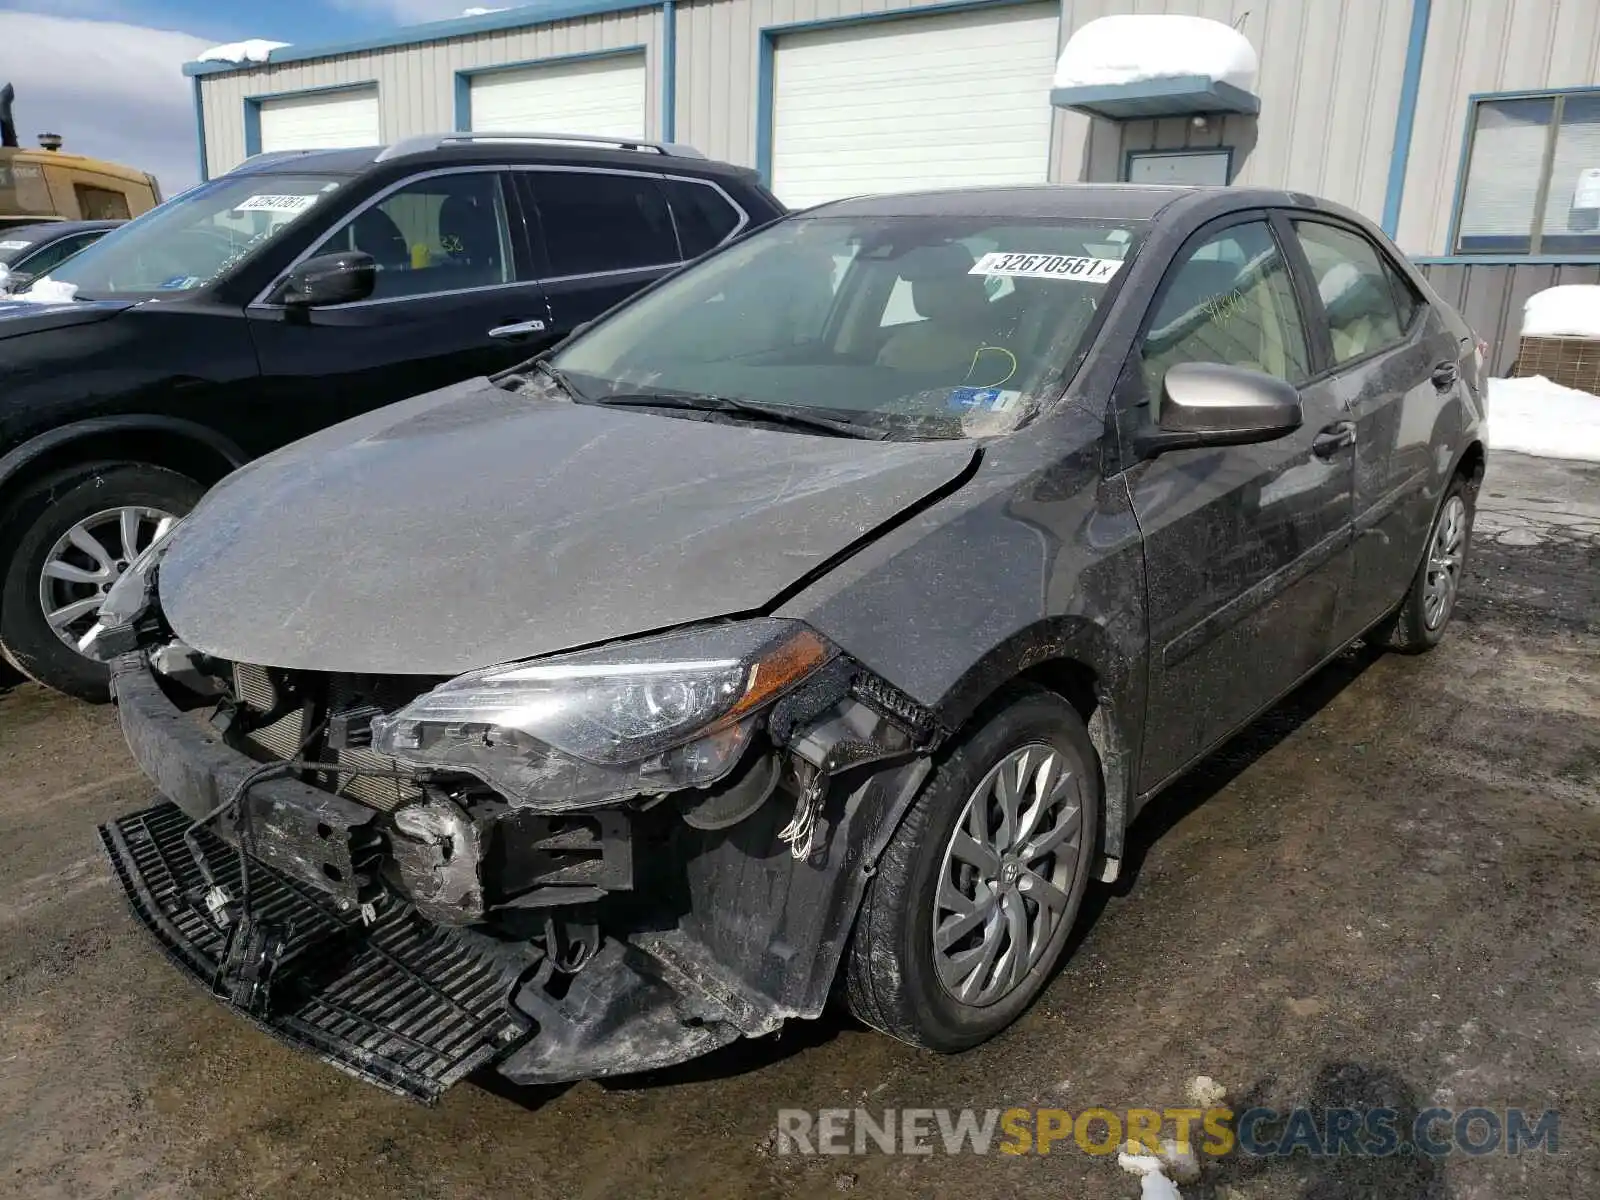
(293,292)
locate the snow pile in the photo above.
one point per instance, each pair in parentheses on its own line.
(1160,1171)
(1535,416)
(48,291)
(1571,310)
(253,50)
(1131,49)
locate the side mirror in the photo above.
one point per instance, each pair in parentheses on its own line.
(1209,404)
(331,279)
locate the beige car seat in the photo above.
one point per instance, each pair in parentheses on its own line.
(955,309)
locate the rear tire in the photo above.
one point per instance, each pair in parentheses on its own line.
(47,526)
(960,870)
(1424,614)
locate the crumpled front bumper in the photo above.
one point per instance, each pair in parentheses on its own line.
(398,1000)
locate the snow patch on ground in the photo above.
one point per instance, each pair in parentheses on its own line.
(1571,310)
(1131,49)
(1535,416)
(252,50)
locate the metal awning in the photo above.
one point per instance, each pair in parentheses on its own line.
(1172,96)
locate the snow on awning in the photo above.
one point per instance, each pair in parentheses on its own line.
(1156,66)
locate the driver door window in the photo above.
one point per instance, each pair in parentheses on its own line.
(1231,301)
(445,233)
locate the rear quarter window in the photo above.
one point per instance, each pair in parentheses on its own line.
(704,216)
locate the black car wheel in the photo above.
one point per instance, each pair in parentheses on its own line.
(71,537)
(978,890)
(1420,621)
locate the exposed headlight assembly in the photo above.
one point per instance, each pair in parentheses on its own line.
(129,609)
(650,716)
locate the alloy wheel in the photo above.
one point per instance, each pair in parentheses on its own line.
(1007,874)
(1445,553)
(88,559)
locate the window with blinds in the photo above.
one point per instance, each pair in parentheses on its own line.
(1532,177)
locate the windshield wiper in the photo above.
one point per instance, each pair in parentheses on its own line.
(516,378)
(777,414)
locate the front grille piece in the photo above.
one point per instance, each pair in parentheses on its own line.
(403,1004)
(292,735)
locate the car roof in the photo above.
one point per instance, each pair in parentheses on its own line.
(1081,201)
(357,160)
(51,230)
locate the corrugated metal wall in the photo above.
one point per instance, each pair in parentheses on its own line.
(1484,46)
(1491,298)
(416,84)
(1292,144)
(1317,57)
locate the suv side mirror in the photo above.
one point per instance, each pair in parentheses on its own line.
(1211,404)
(331,279)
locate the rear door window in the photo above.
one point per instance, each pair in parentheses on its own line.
(599,221)
(1357,293)
(703,215)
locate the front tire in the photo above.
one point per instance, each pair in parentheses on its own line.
(979,888)
(71,536)
(1424,614)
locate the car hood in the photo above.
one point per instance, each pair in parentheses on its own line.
(473,526)
(18,317)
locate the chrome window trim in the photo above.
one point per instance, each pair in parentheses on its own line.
(261,303)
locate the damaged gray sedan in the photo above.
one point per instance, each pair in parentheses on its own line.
(813,625)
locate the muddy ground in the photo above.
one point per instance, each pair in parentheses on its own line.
(1387,892)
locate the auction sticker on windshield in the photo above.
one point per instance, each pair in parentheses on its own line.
(1047,266)
(283,204)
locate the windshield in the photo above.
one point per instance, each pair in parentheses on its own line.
(193,238)
(927,326)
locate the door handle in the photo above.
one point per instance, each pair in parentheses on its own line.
(1445,375)
(517,329)
(1334,438)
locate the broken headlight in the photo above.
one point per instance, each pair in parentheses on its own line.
(650,716)
(129,607)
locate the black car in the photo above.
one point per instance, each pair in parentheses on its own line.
(31,251)
(817,621)
(296,291)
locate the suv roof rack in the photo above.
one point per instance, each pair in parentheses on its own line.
(433,141)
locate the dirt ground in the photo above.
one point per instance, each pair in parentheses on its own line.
(1385,893)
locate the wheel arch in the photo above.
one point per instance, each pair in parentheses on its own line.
(1077,659)
(186,447)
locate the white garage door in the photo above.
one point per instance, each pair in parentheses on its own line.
(920,102)
(603,99)
(321,121)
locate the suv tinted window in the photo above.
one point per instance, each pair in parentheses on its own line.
(444,233)
(1356,293)
(594,221)
(1229,300)
(704,217)
(56,253)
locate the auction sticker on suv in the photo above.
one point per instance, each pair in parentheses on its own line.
(1047,266)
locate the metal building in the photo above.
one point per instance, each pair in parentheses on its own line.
(1470,129)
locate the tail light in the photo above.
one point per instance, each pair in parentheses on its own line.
(1480,352)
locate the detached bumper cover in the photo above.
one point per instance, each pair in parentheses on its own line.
(401,1004)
